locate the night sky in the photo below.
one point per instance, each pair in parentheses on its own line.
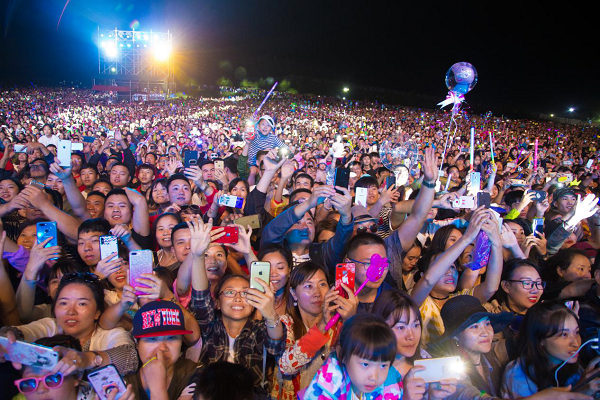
(537,57)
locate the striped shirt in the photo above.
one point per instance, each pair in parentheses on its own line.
(262,142)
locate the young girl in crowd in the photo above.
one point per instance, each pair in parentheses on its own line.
(361,367)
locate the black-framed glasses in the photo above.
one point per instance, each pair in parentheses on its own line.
(371,228)
(230,293)
(528,285)
(80,276)
(30,385)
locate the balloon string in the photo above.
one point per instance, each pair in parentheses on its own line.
(452,120)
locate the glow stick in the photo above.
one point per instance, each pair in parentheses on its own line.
(265,99)
(472,146)
(535,155)
(492,147)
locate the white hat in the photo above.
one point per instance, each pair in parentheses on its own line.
(268,119)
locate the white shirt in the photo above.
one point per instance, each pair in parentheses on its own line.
(231,355)
(101,339)
(45,140)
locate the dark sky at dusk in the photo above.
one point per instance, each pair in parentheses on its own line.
(536,56)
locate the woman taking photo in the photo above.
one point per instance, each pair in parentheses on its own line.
(469,330)
(280,259)
(77,306)
(310,305)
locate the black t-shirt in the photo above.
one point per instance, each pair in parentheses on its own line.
(145,242)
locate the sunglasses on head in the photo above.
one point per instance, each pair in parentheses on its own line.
(372,228)
(80,276)
(30,385)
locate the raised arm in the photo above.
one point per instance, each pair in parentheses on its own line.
(72,191)
(410,228)
(446,259)
(66,223)
(140,220)
(25,296)
(287,170)
(486,289)
(271,167)
(200,240)
(8,303)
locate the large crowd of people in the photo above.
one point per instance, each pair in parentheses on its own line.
(471,245)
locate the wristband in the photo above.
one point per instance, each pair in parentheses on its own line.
(428,184)
(149,361)
(272,326)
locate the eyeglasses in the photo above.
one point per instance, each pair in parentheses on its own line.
(367,264)
(362,229)
(80,276)
(230,293)
(29,385)
(527,285)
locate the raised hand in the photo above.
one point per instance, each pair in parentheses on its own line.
(121,231)
(60,172)
(263,302)
(195,174)
(342,203)
(156,287)
(509,240)
(480,215)
(38,257)
(200,236)
(243,244)
(583,209)
(390,194)
(429,164)
(108,265)
(318,192)
(347,307)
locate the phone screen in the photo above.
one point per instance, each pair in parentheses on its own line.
(342,178)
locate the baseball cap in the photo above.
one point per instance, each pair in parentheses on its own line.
(159,318)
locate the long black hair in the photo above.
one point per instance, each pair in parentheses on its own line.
(542,321)
(394,304)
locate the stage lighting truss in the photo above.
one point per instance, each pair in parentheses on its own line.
(135,54)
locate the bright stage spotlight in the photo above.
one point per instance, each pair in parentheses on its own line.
(110,49)
(161,51)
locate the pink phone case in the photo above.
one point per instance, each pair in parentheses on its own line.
(140,262)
